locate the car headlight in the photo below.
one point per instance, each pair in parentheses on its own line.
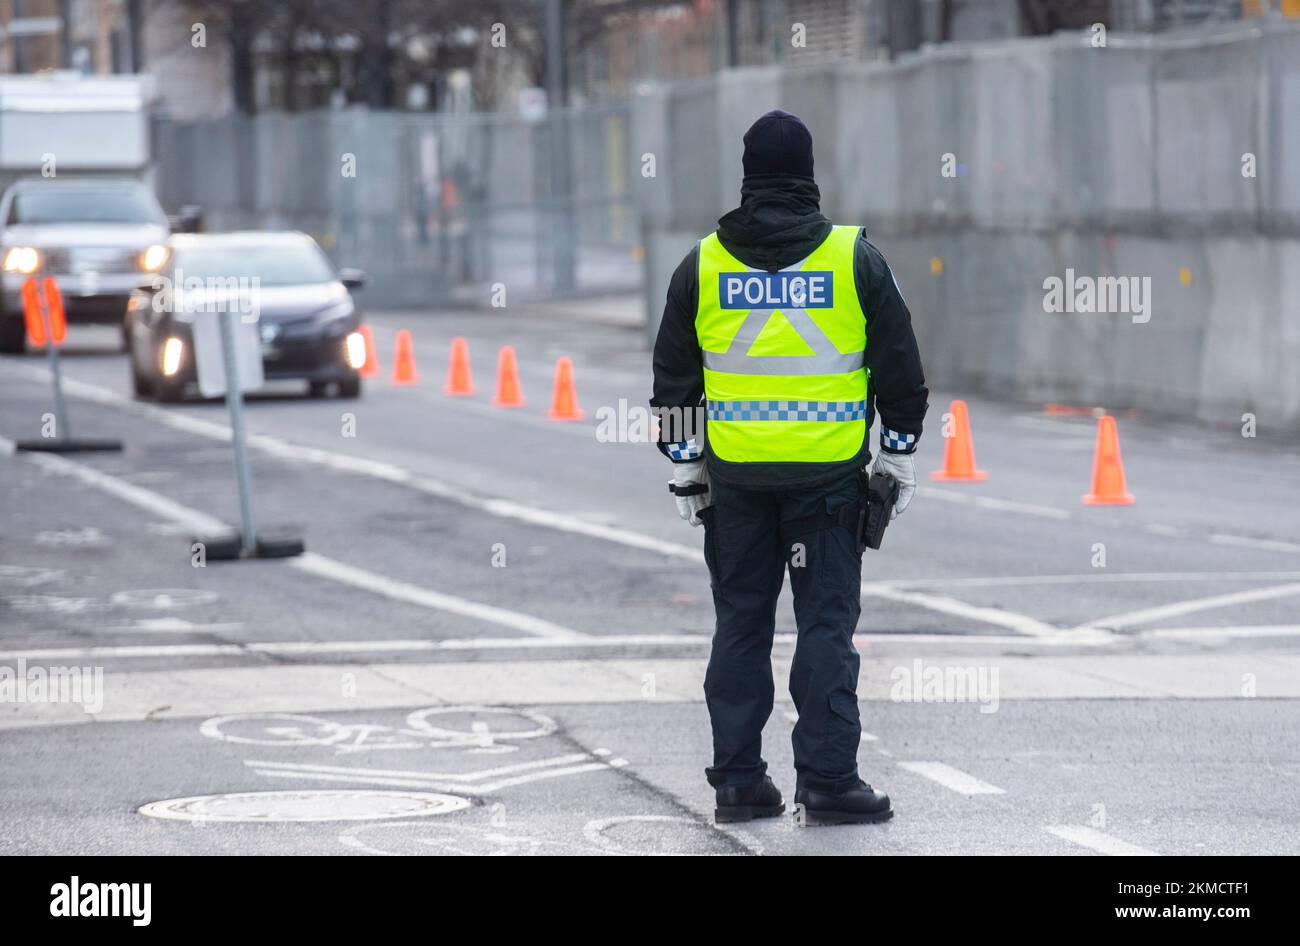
(22,259)
(354,348)
(153,257)
(172,351)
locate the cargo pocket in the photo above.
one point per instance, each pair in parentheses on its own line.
(841,562)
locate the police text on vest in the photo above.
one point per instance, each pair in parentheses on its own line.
(784,290)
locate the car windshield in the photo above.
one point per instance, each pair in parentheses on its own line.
(85,205)
(270,264)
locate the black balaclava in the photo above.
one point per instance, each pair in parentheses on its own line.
(778,143)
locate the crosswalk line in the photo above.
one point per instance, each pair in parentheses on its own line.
(955,779)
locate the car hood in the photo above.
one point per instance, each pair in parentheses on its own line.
(128,236)
(274,303)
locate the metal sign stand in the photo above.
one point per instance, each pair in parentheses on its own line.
(246,543)
(62,441)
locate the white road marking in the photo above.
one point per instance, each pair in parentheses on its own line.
(1020,623)
(172,626)
(390,473)
(1245,541)
(1208,633)
(436,600)
(1177,608)
(1156,528)
(998,581)
(950,778)
(445,785)
(989,502)
(159,505)
(475,776)
(420,645)
(1097,841)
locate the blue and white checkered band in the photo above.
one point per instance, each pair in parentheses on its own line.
(898,442)
(787,410)
(684,450)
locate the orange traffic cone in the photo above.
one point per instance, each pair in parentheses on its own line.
(564,401)
(1108,486)
(371,367)
(959,450)
(459,380)
(404,360)
(508,390)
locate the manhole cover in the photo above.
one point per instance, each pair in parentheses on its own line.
(324,805)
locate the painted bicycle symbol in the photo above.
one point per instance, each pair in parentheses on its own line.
(474,729)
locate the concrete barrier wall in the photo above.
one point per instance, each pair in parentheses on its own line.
(1116,161)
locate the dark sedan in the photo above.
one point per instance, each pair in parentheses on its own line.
(304,311)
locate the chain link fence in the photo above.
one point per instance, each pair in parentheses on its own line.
(437,209)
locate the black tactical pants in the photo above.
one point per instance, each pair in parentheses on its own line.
(747,561)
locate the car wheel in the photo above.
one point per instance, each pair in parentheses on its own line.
(350,388)
(318,388)
(140,386)
(13,336)
(167,391)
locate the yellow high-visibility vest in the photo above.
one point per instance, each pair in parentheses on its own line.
(785,378)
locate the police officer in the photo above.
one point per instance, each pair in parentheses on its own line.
(787,333)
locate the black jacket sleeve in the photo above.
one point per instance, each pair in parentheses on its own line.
(679,368)
(897,380)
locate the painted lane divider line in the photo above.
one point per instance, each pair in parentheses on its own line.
(1192,605)
(1020,623)
(345,574)
(950,778)
(318,565)
(1098,841)
(344,463)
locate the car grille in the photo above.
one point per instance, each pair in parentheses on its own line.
(87,259)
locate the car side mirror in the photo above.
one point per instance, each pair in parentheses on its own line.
(352,278)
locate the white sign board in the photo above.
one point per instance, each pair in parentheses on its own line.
(210,362)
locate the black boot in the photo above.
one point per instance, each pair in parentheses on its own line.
(747,802)
(861,805)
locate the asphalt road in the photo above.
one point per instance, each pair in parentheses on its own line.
(496,641)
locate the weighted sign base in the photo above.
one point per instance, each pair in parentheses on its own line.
(68,445)
(273,543)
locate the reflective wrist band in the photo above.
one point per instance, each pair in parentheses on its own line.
(896,442)
(684,450)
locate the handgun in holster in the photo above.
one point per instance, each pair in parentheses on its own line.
(879,493)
